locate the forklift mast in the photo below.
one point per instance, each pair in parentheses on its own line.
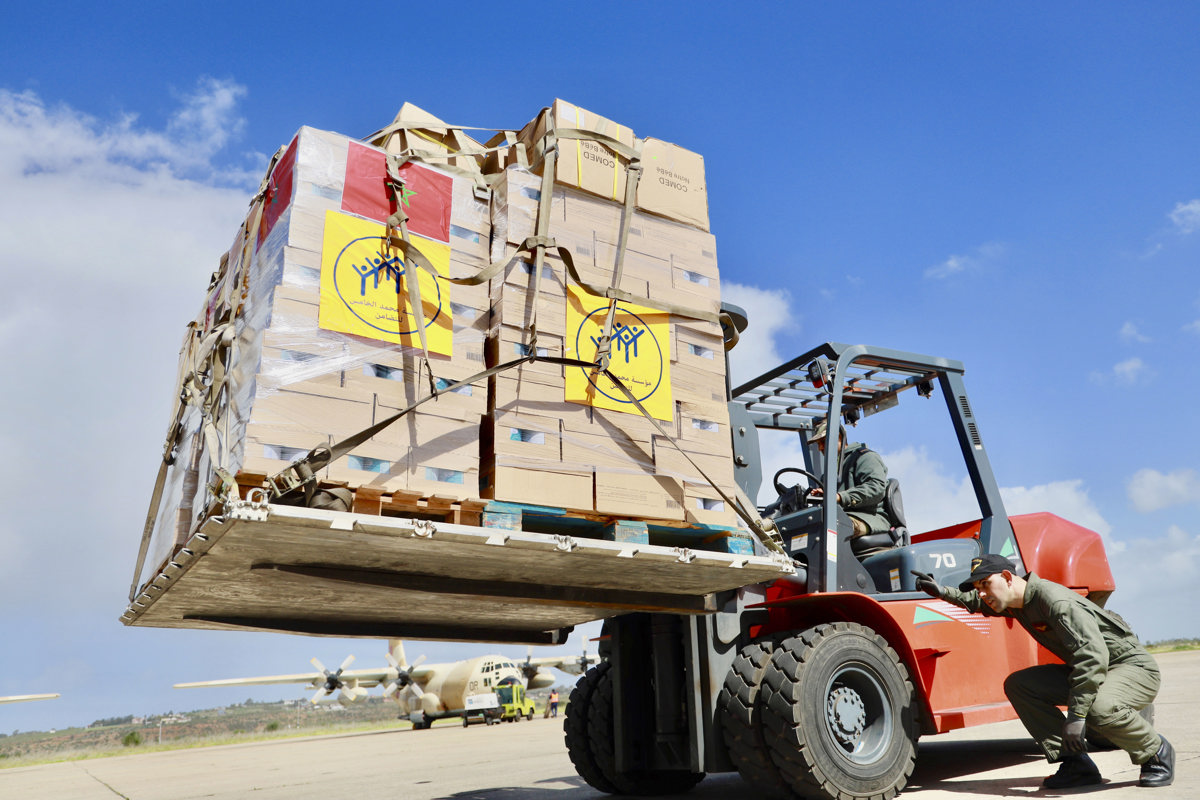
(849,383)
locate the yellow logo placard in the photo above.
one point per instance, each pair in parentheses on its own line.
(640,355)
(364,289)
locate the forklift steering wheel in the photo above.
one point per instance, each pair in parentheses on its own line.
(780,489)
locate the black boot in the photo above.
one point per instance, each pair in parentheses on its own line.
(1074,771)
(1160,770)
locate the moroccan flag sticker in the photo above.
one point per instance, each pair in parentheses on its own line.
(640,355)
(427,197)
(279,190)
(364,290)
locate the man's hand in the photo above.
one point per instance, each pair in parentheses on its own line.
(927,584)
(1073,733)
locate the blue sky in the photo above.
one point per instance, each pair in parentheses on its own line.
(1012,185)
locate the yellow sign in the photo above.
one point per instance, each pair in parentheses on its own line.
(640,355)
(364,290)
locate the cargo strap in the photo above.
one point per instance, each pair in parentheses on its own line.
(763,530)
(202,382)
(503,141)
(299,478)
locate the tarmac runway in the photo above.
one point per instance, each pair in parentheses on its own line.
(528,761)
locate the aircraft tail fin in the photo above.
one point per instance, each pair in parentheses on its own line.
(396,648)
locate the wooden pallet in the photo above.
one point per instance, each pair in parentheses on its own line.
(395,503)
(584,523)
(640,530)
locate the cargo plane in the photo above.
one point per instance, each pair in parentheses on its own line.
(423,692)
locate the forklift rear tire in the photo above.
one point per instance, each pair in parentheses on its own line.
(575,729)
(601,737)
(840,713)
(741,710)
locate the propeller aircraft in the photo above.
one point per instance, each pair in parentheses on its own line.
(423,692)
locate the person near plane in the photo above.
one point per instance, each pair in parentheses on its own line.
(554,702)
(1105,679)
(862,482)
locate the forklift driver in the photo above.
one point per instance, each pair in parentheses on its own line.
(862,482)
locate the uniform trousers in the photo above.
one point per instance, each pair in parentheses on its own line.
(1131,685)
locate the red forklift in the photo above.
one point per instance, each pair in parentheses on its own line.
(819,684)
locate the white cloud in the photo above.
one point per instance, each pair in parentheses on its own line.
(1186,216)
(982,256)
(1151,490)
(770,315)
(1192,327)
(1145,569)
(1130,370)
(1150,569)
(933,498)
(1068,499)
(1129,333)
(1125,373)
(113,202)
(951,266)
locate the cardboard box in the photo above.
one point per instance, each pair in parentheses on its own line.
(586,164)
(269,450)
(460,484)
(601,453)
(672,183)
(689,382)
(415,130)
(558,488)
(640,494)
(517,272)
(376,464)
(718,467)
(515,207)
(517,308)
(699,345)
(652,271)
(396,389)
(525,440)
(703,506)
(510,393)
(705,424)
(337,413)
(509,343)
(301,367)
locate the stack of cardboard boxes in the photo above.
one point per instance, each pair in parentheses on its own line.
(326,341)
(336,343)
(567,436)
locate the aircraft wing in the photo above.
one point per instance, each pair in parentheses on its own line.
(25,698)
(569,664)
(366,678)
(422,674)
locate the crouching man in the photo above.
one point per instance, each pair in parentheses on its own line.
(1106,676)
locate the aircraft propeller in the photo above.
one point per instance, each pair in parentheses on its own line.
(528,669)
(334,683)
(584,661)
(403,678)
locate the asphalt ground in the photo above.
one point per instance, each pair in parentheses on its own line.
(528,761)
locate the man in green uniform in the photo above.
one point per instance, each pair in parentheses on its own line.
(862,482)
(1106,676)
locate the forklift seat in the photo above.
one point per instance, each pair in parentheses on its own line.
(897,536)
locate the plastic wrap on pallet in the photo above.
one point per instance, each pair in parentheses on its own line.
(290,384)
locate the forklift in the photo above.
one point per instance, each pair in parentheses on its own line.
(819,684)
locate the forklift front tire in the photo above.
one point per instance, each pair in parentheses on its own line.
(840,714)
